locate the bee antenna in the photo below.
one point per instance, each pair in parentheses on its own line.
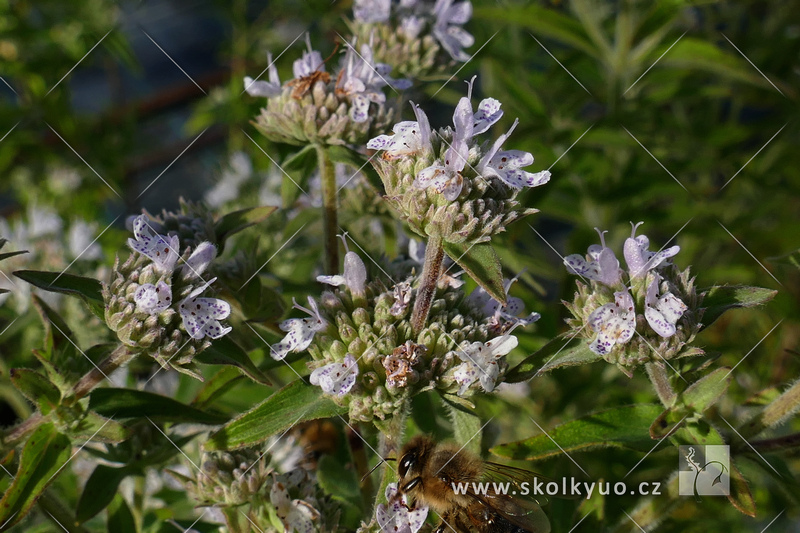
(336,49)
(374,468)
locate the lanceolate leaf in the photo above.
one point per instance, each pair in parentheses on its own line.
(466,425)
(88,289)
(555,354)
(298,168)
(36,388)
(720,298)
(296,402)
(130,403)
(120,518)
(482,264)
(100,490)
(620,427)
(43,456)
(239,220)
(224,351)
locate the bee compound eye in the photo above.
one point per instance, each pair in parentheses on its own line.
(406,462)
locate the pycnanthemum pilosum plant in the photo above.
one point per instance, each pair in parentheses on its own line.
(367,357)
(347,106)
(447,183)
(648,313)
(155,301)
(417,37)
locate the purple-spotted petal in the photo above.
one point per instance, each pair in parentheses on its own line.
(488,113)
(153,299)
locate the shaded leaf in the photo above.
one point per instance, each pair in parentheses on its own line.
(100,429)
(718,299)
(297,402)
(120,518)
(88,289)
(36,388)
(343,154)
(225,351)
(100,489)
(706,391)
(555,354)
(238,220)
(43,456)
(8,255)
(620,427)
(131,403)
(466,425)
(338,480)
(218,385)
(298,168)
(482,264)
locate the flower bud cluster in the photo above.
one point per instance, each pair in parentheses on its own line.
(193,223)
(317,107)
(418,38)
(368,358)
(650,312)
(448,184)
(154,304)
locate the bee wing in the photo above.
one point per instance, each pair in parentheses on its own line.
(520,480)
(525,514)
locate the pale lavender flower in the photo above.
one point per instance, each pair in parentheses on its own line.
(296,515)
(300,331)
(480,362)
(510,313)
(336,378)
(355,273)
(201,316)
(396,517)
(372,11)
(410,137)
(161,249)
(310,62)
(602,265)
(506,165)
(264,88)
(615,323)
(447,28)
(662,313)
(152,299)
(640,260)
(198,262)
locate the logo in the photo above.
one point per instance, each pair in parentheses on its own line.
(704,470)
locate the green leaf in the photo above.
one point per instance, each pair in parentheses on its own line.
(224,351)
(482,264)
(100,429)
(37,388)
(343,154)
(298,168)
(130,403)
(57,335)
(297,402)
(705,392)
(620,427)
(554,354)
(466,425)
(542,21)
(120,518)
(218,385)
(720,298)
(100,489)
(43,456)
(338,480)
(88,289)
(8,255)
(238,220)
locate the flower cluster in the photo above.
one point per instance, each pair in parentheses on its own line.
(319,108)
(366,356)
(396,517)
(446,182)
(649,312)
(411,35)
(154,302)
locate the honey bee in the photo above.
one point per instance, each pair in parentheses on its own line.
(429,472)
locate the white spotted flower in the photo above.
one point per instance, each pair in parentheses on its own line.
(355,273)
(300,331)
(509,313)
(614,323)
(600,263)
(410,137)
(395,516)
(201,316)
(641,260)
(336,378)
(447,29)
(481,362)
(296,515)
(152,299)
(161,249)
(264,88)
(662,313)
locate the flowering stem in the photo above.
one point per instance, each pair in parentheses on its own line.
(120,356)
(660,380)
(781,408)
(431,271)
(329,217)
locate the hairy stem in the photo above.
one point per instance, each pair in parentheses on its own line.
(431,272)
(658,377)
(787,442)
(120,356)
(233,519)
(21,431)
(773,414)
(329,216)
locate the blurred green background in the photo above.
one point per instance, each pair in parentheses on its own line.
(680,114)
